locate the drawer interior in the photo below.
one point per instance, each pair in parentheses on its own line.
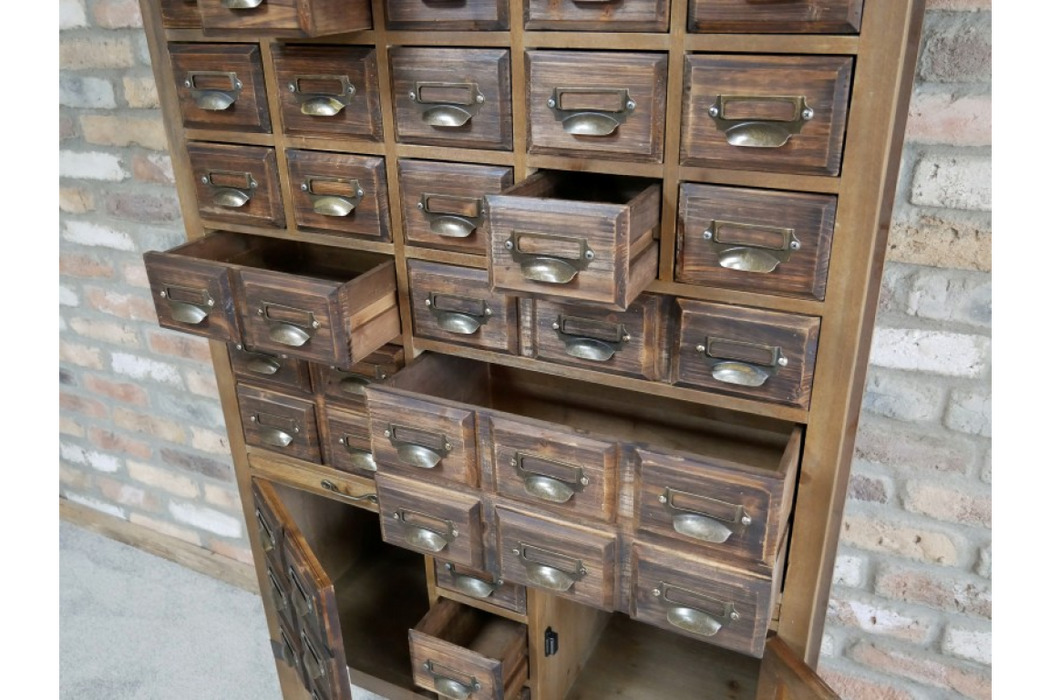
(628,416)
(580,187)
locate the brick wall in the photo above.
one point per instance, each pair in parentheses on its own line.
(142,433)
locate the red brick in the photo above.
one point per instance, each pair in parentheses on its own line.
(968,681)
(150,425)
(123,392)
(891,537)
(75,200)
(127,495)
(852,687)
(197,464)
(152,167)
(943,589)
(942,118)
(895,445)
(118,130)
(108,441)
(68,426)
(135,274)
(104,331)
(67,128)
(129,306)
(142,207)
(117,14)
(84,406)
(178,345)
(83,266)
(80,355)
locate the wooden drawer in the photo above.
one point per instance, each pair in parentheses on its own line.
(287,646)
(732,503)
(280,423)
(237,184)
(746,352)
(588,103)
(479,584)
(584,237)
(445,16)
(348,445)
(180,14)
(598,15)
(455,304)
(555,467)
(431,520)
(276,586)
(755,240)
(346,388)
(329,90)
(264,368)
(728,607)
(339,193)
(790,17)
(270,517)
(452,97)
(443,204)
(570,561)
(320,671)
(459,652)
(291,18)
(773,113)
(621,342)
(220,86)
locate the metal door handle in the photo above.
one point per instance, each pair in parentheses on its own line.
(284,332)
(407,442)
(362,459)
(450,224)
(546,267)
(760,248)
(587,339)
(549,480)
(596,114)
(447,105)
(228,196)
(684,610)
(425,531)
(543,573)
(318,103)
(734,361)
(264,365)
(190,306)
(749,132)
(458,314)
(330,486)
(213,99)
(335,205)
(470,585)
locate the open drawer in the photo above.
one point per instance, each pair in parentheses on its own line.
(310,302)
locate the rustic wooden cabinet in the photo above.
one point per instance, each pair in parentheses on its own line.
(540,327)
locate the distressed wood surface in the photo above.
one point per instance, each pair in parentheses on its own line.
(601,16)
(342,176)
(445,16)
(793,16)
(180,14)
(217,166)
(248,111)
(264,369)
(291,18)
(450,578)
(268,415)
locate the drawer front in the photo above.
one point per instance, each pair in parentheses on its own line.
(755,240)
(269,525)
(452,97)
(348,445)
(750,112)
(745,352)
(220,86)
(261,367)
(443,204)
(294,315)
(422,439)
(715,508)
(329,90)
(346,388)
(339,193)
(266,15)
(276,586)
(279,423)
(598,16)
(193,296)
(481,585)
(320,672)
(791,17)
(444,16)
(691,596)
(288,647)
(237,184)
(431,520)
(567,560)
(455,304)
(545,465)
(180,14)
(622,342)
(597,104)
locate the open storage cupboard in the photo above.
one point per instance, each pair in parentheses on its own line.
(540,326)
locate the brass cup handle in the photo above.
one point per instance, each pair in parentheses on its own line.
(701,527)
(449,226)
(425,539)
(549,577)
(268,366)
(322,104)
(242,4)
(445,223)
(449,687)
(213,99)
(275,437)
(548,489)
(447,110)
(265,533)
(460,324)
(591,121)
(331,487)
(294,335)
(682,614)
(545,268)
(228,196)
(760,133)
(471,585)
(333,206)
(362,459)
(456,314)
(736,254)
(310,661)
(534,472)
(415,454)
(726,369)
(590,349)
(289,334)
(739,374)
(446,116)
(694,621)
(185,312)
(354,384)
(277,594)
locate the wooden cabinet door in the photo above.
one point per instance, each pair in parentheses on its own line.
(785,676)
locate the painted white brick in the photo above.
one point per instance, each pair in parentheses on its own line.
(91,165)
(953,182)
(849,570)
(206,519)
(948,295)
(970,644)
(901,397)
(969,412)
(937,352)
(983,567)
(67,297)
(71,14)
(96,504)
(87,233)
(145,368)
(827,645)
(85,92)
(97,460)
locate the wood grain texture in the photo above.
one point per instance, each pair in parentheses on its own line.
(348,444)
(639,137)
(217,167)
(310,478)
(776,17)
(291,18)
(568,333)
(179,281)
(824,81)
(455,304)
(219,68)
(448,190)
(299,64)
(750,339)
(342,176)
(266,369)
(587,555)
(180,14)
(755,220)
(486,71)
(270,418)
(452,578)
(446,15)
(601,16)
(783,676)
(408,506)
(345,388)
